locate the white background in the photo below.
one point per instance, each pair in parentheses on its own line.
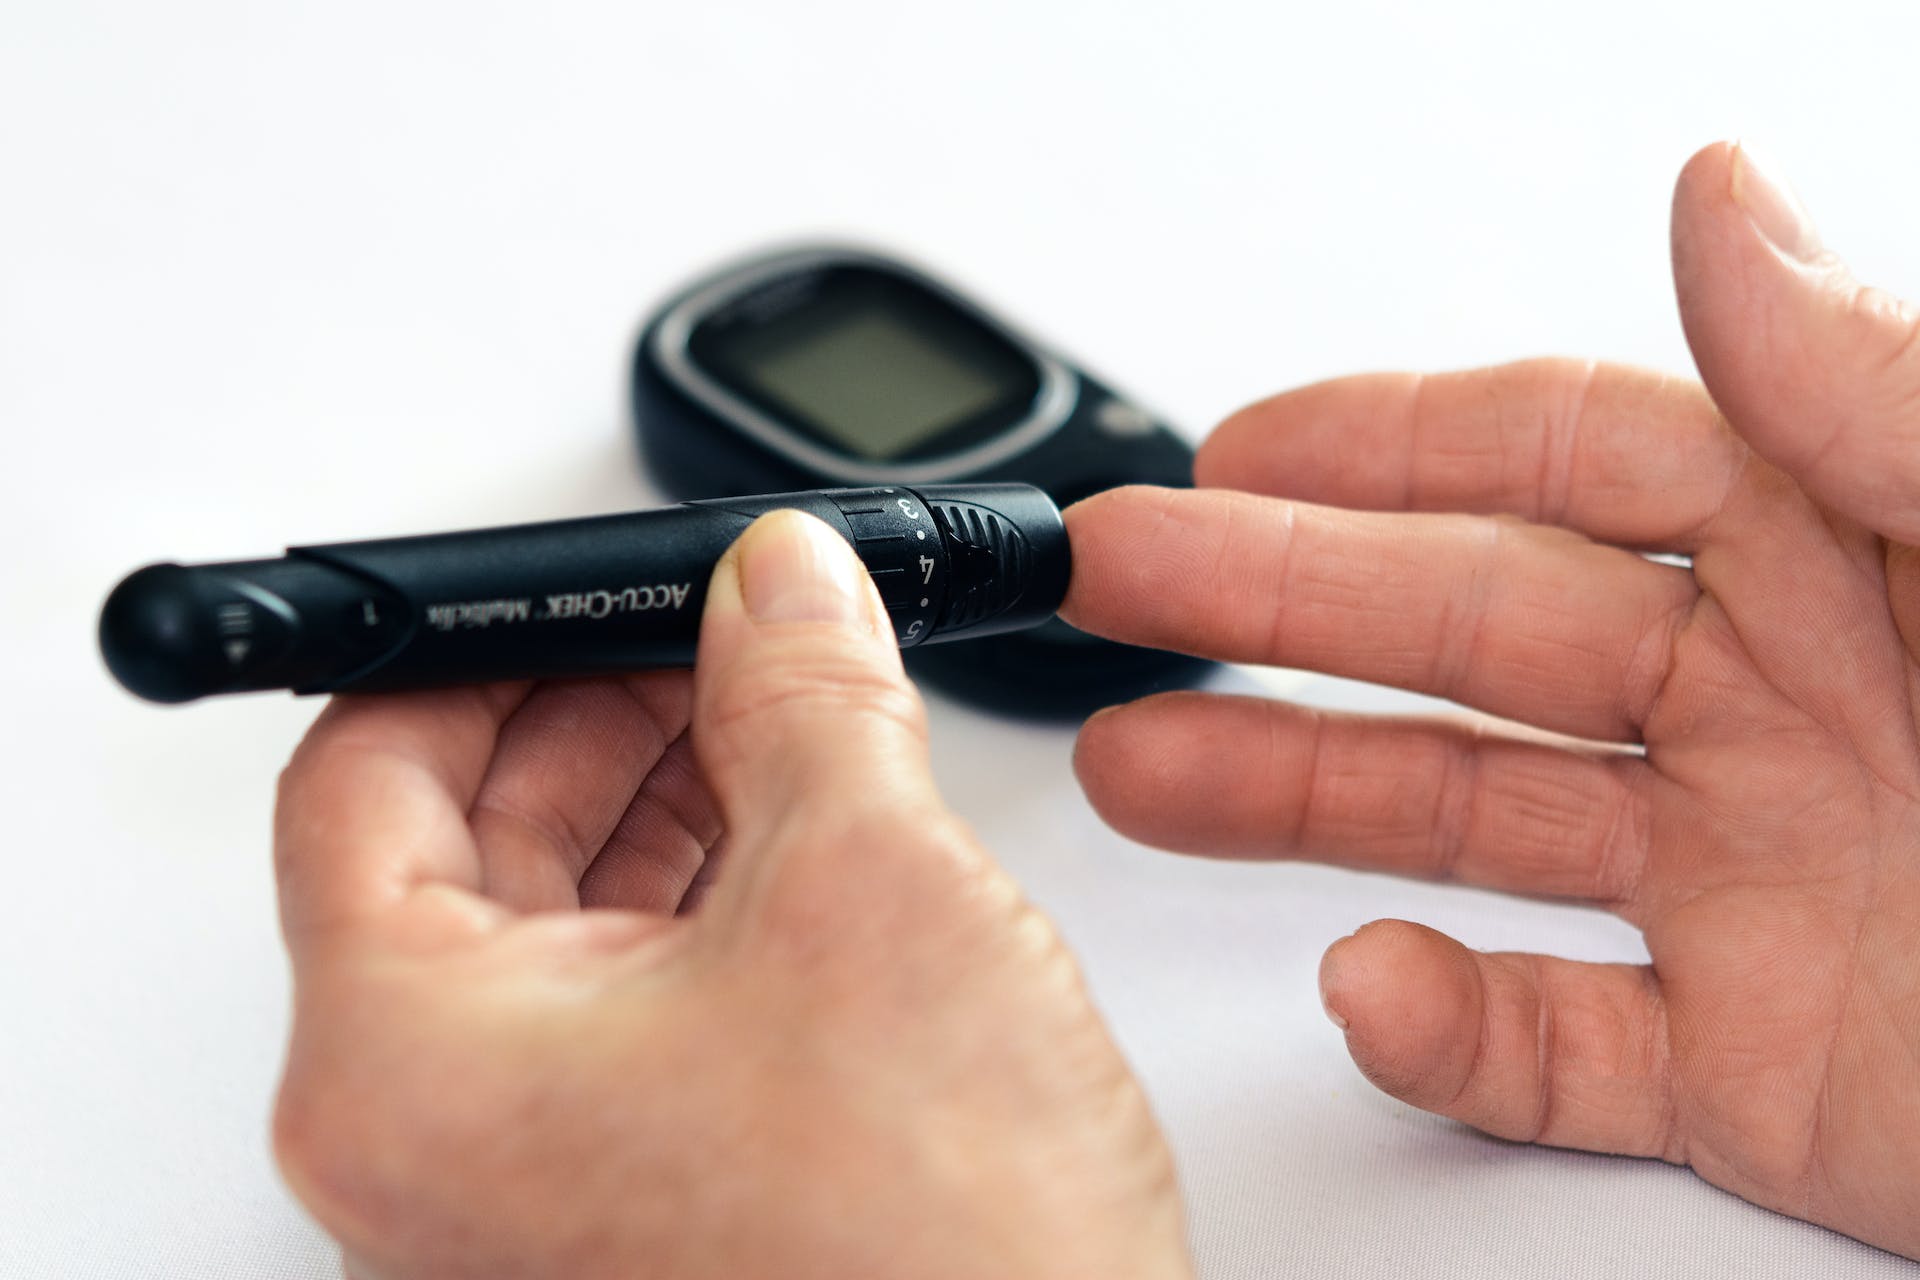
(276,274)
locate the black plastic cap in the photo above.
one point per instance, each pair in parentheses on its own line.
(156,640)
(1007,546)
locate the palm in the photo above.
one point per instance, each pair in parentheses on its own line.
(1780,900)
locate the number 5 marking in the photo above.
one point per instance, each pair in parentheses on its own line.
(913,632)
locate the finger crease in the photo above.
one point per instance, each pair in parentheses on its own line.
(1303,821)
(1671,1142)
(707,831)
(1558,453)
(1620,867)
(1483,1038)
(1416,421)
(1457,799)
(1651,665)
(1743,459)
(1548,1058)
(1454,664)
(1277,624)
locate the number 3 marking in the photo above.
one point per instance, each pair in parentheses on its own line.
(907,507)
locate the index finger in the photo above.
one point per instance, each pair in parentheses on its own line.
(1522,621)
(374,803)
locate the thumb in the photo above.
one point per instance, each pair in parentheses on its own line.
(1818,373)
(801,712)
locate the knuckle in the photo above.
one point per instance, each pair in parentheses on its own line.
(356,1136)
(1044,951)
(317,1147)
(298,1135)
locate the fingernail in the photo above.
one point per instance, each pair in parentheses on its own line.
(1327,967)
(795,569)
(1772,206)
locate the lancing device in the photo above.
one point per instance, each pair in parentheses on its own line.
(573,597)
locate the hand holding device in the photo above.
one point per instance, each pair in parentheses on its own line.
(1768,841)
(535,1035)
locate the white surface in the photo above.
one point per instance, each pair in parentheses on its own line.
(273,274)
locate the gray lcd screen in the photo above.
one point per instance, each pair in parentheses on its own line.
(874,381)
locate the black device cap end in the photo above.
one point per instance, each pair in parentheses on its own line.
(1011,562)
(155,637)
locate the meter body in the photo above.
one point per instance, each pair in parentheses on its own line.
(838,365)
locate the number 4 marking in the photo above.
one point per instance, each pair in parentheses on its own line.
(926,569)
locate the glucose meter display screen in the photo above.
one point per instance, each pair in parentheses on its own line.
(879,370)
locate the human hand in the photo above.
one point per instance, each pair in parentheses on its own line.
(519,1051)
(1768,841)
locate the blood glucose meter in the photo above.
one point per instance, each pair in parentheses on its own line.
(838,365)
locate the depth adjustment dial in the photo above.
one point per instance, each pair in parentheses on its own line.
(897,538)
